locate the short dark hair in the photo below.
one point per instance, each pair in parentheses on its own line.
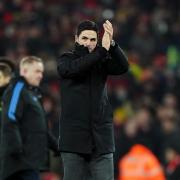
(86,25)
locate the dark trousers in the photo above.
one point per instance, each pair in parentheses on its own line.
(86,167)
(25,175)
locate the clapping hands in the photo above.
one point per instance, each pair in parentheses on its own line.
(108,35)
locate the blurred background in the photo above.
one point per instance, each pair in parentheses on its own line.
(145,100)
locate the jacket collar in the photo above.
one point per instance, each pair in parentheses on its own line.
(34,89)
(80,50)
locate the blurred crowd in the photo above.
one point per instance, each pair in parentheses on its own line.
(145,101)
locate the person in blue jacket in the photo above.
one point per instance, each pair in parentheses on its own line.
(25,137)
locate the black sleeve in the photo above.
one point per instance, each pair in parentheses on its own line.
(53,143)
(12,111)
(117,63)
(68,66)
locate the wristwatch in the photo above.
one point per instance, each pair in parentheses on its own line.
(113,43)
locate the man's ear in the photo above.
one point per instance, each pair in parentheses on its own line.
(23,71)
(76,38)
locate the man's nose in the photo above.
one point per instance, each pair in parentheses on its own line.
(87,42)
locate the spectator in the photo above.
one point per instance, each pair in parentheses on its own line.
(172,154)
(140,164)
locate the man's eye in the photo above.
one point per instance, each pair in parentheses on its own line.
(84,38)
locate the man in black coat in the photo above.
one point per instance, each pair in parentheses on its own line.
(25,137)
(86,127)
(6,72)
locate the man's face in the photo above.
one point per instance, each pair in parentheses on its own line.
(88,38)
(33,73)
(4,80)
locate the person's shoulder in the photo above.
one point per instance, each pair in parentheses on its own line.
(17,84)
(68,54)
(14,89)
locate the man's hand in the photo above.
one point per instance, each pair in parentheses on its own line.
(106,41)
(108,35)
(109,29)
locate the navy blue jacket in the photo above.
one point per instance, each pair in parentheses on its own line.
(25,137)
